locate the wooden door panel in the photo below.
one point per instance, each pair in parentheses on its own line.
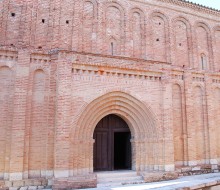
(101,151)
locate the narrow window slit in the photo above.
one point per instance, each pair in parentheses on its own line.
(112,48)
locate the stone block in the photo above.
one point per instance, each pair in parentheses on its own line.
(13,188)
(49,182)
(29,182)
(214,167)
(170,175)
(8,183)
(159,176)
(186,169)
(37,182)
(32,187)
(44,182)
(24,188)
(48,187)
(197,168)
(19,183)
(207,167)
(40,187)
(88,181)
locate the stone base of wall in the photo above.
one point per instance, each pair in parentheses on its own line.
(77,182)
(90,181)
(25,184)
(197,170)
(159,176)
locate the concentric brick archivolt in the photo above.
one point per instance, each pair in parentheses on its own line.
(140,119)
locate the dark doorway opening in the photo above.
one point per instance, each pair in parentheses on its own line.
(112,147)
(122,150)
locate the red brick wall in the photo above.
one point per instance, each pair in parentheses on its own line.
(143,30)
(57,57)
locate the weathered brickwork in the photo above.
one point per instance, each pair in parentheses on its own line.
(64,65)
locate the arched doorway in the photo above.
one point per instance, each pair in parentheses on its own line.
(112,147)
(147,150)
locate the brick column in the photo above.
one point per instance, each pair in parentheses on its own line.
(168,123)
(18,125)
(63,118)
(189,119)
(211,132)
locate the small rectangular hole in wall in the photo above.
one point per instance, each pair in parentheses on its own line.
(13,14)
(67,21)
(43,20)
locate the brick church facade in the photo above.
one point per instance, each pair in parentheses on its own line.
(73,73)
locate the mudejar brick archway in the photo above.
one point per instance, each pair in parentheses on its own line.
(140,119)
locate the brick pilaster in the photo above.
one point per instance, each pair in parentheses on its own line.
(63,118)
(189,118)
(18,126)
(168,123)
(211,132)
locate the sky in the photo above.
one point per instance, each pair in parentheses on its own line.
(210,3)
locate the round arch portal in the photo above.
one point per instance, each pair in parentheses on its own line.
(140,119)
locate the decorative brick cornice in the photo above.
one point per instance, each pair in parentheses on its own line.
(94,70)
(195,6)
(7,55)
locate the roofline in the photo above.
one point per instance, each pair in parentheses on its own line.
(196,6)
(200,5)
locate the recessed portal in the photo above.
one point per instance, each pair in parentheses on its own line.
(112,147)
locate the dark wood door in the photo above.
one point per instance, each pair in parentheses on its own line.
(107,135)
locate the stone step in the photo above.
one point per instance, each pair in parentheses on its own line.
(116,174)
(115,184)
(119,179)
(76,182)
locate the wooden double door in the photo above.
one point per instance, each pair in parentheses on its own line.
(112,147)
